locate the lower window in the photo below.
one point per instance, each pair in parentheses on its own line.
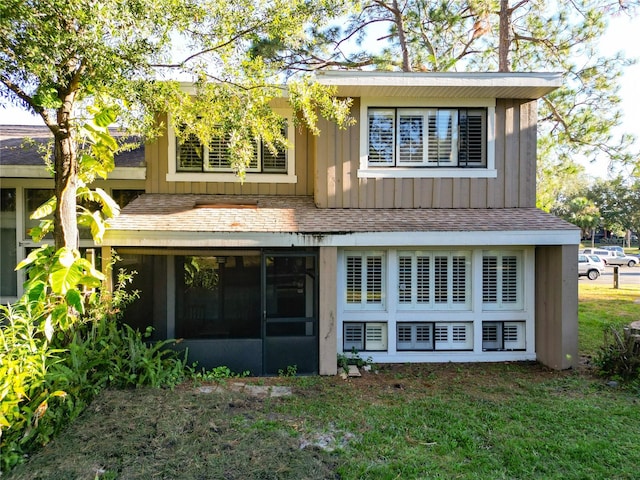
(364,336)
(434,336)
(503,336)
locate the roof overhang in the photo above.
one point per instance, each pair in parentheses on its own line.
(441,85)
(190,220)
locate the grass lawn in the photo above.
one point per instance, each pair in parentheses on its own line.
(463,421)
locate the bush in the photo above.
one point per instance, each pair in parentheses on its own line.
(619,358)
(60,345)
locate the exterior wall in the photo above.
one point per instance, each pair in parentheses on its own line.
(327,322)
(557,306)
(338,186)
(157,160)
(23,241)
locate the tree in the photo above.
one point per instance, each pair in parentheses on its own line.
(618,200)
(577,120)
(78,63)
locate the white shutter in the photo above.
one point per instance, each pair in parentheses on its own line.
(514,336)
(492,335)
(354,279)
(441,283)
(374,280)
(353,337)
(411,133)
(473,138)
(405,279)
(381,137)
(189,154)
(453,336)
(218,154)
(489,279)
(414,336)
(509,279)
(422,280)
(459,279)
(442,137)
(376,336)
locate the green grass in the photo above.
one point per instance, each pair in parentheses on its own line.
(429,421)
(601,307)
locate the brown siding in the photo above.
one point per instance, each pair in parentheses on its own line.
(556,307)
(157,159)
(338,186)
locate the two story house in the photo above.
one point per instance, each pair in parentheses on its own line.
(410,237)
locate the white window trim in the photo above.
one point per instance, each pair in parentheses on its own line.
(220,176)
(432,172)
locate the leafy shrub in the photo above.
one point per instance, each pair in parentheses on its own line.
(619,357)
(60,344)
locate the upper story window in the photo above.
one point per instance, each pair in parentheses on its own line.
(403,140)
(192,156)
(427,137)
(189,159)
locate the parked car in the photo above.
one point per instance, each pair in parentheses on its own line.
(600,252)
(599,261)
(587,267)
(615,248)
(617,258)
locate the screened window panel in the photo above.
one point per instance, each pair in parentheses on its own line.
(410,138)
(274,162)
(218,154)
(374,279)
(459,280)
(509,279)
(473,138)
(353,336)
(442,137)
(422,280)
(189,154)
(405,279)
(489,279)
(414,336)
(354,279)
(381,137)
(441,284)
(404,334)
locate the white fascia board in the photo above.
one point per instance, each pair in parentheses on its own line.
(39,171)
(382,239)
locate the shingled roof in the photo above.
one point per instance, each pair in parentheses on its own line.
(296,214)
(21,144)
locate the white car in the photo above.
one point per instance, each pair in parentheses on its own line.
(589,268)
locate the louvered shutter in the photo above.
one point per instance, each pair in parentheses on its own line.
(353,336)
(441,267)
(491,335)
(422,280)
(381,137)
(453,336)
(374,280)
(411,141)
(275,162)
(189,155)
(489,279)
(405,279)
(443,137)
(473,138)
(514,336)
(354,279)
(218,154)
(414,336)
(459,279)
(375,336)
(509,279)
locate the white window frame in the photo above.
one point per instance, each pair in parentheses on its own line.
(400,171)
(226,175)
(364,304)
(504,343)
(500,304)
(431,303)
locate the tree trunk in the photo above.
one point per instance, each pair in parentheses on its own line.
(503,41)
(402,39)
(65,232)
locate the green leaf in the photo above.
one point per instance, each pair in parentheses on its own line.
(106,117)
(74,299)
(63,278)
(32,257)
(48,328)
(44,210)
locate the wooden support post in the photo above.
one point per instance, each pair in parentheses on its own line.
(616,276)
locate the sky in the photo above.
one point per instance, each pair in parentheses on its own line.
(621,35)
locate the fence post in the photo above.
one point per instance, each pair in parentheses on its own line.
(616,283)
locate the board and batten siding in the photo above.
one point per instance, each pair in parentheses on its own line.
(157,161)
(337,160)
